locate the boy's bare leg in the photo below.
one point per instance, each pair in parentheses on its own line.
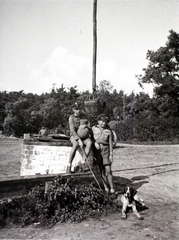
(103,175)
(109,177)
(88,145)
(86,151)
(104,180)
(72,154)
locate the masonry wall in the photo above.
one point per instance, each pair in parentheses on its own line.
(46,158)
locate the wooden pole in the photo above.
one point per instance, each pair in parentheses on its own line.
(124,114)
(94,46)
(91,106)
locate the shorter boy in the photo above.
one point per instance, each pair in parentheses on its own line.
(103,151)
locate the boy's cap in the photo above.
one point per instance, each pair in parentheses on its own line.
(102,117)
(75,106)
(83,121)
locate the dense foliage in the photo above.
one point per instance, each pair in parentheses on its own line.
(134,117)
(162,111)
(64,201)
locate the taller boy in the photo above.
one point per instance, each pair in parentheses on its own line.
(103,151)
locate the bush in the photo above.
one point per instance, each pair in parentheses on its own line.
(64,201)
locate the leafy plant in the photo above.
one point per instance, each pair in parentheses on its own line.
(64,201)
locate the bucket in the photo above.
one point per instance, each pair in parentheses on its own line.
(91,107)
(26,135)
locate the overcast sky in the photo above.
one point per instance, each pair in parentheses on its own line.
(46,42)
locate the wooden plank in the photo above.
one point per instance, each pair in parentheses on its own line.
(20,186)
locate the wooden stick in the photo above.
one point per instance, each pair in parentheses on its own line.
(91,168)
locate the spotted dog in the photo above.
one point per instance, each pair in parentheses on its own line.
(129,199)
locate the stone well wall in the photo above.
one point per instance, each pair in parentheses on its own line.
(46,157)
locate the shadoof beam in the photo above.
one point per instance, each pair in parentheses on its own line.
(94,47)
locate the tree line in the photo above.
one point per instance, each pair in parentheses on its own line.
(134,117)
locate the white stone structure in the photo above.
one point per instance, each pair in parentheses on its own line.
(46,158)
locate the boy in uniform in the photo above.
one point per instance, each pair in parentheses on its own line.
(103,151)
(76,140)
(43,131)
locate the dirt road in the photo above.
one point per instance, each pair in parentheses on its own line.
(153,170)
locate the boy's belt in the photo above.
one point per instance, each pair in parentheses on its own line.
(104,144)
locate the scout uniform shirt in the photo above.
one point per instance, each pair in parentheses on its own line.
(101,135)
(74,123)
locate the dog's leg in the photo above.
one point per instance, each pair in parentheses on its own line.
(124,207)
(135,211)
(140,200)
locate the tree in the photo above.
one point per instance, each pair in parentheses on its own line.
(163,72)
(103,92)
(3,100)
(17,119)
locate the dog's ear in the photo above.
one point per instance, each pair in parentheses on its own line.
(124,190)
(133,191)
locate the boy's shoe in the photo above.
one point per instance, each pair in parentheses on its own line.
(68,169)
(106,190)
(112,190)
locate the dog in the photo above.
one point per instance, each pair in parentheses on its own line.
(129,199)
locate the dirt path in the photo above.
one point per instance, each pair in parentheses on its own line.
(154,171)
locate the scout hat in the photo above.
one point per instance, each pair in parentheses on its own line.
(75,106)
(102,117)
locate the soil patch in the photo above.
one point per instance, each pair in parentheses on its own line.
(153,170)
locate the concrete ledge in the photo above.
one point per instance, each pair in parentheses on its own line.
(47,142)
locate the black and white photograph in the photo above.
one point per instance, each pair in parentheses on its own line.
(89,119)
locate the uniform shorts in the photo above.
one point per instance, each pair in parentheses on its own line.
(86,141)
(102,155)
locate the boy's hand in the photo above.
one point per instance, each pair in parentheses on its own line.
(111,158)
(80,143)
(97,146)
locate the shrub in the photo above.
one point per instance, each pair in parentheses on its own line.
(64,201)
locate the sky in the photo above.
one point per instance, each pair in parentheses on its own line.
(47,43)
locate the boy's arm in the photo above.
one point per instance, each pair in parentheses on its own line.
(72,128)
(110,146)
(95,139)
